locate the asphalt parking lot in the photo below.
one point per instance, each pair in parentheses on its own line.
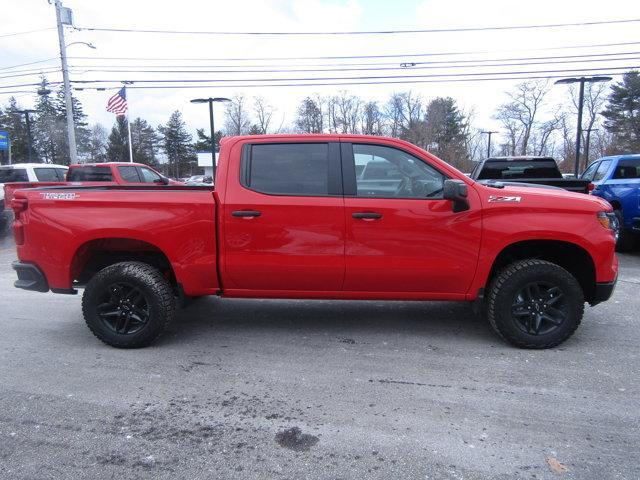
(314,389)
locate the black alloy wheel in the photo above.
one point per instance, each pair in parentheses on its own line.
(124,309)
(539,308)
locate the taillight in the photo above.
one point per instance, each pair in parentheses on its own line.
(591,187)
(19,205)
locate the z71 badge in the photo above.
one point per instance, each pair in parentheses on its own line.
(59,196)
(502,198)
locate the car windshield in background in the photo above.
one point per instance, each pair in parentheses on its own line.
(90,174)
(519,169)
(8,175)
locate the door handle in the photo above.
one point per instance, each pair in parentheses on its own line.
(246,213)
(366,215)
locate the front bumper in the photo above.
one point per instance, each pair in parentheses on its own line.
(603,292)
(30,277)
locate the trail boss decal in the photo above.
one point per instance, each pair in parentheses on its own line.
(59,196)
(502,198)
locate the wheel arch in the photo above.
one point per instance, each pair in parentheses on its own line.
(570,256)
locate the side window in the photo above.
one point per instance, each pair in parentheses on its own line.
(387,172)
(287,169)
(46,174)
(602,170)
(149,176)
(129,174)
(590,171)
(627,169)
(61,173)
(89,174)
(8,175)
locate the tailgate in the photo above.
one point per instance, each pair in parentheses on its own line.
(10,189)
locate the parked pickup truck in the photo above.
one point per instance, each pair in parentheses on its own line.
(290,217)
(617,180)
(532,170)
(111,173)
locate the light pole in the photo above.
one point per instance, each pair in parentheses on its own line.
(582,81)
(29,139)
(213,134)
(489,133)
(586,145)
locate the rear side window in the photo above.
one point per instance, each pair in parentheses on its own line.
(602,170)
(47,174)
(590,172)
(129,174)
(627,169)
(90,174)
(8,175)
(287,169)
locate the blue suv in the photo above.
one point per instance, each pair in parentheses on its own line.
(617,180)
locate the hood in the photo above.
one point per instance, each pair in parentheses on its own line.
(541,197)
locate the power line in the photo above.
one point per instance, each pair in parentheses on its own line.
(28,85)
(39,72)
(14,34)
(376,77)
(29,63)
(371,32)
(418,66)
(393,82)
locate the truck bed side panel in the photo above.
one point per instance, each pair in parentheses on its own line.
(180,223)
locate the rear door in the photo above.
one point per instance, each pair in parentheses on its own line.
(402,237)
(284,218)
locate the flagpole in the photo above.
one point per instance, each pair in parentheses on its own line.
(129,125)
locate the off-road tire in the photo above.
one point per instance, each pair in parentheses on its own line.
(626,239)
(504,289)
(158,295)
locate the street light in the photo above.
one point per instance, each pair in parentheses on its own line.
(489,133)
(582,81)
(29,140)
(213,141)
(88,44)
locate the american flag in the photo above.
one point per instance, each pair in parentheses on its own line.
(118,103)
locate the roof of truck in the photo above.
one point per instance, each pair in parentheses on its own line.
(33,165)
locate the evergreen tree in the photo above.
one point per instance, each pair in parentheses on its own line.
(145,142)
(82,131)
(15,124)
(117,145)
(50,135)
(203,141)
(177,144)
(97,144)
(623,114)
(445,131)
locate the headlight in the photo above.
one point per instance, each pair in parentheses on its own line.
(610,221)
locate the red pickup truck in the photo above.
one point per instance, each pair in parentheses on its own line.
(320,217)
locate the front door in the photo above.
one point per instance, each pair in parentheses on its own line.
(401,235)
(284,219)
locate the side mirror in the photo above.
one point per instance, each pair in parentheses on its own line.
(164,181)
(456,190)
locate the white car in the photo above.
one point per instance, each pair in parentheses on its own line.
(31,172)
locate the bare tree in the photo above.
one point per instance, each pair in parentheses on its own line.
(237,120)
(372,121)
(263,114)
(404,112)
(309,117)
(519,116)
(543,136)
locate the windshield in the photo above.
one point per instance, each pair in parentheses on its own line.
(505,170)
(8,175)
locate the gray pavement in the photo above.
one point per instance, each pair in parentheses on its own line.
(314,389)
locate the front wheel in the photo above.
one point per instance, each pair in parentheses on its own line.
(128,304)
(535,304)
(626,240)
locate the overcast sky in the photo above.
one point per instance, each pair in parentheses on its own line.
(299,15)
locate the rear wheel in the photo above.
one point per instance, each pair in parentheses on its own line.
(128,304)
(535,304)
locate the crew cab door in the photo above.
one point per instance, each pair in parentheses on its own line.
(283,218)
(401,235)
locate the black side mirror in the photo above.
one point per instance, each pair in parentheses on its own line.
(456,190)
(163,181)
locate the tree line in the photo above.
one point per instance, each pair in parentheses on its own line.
(529,125)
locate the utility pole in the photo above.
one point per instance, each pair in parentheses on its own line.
(64,17)
(489,133)
(581,81)
(212,130)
